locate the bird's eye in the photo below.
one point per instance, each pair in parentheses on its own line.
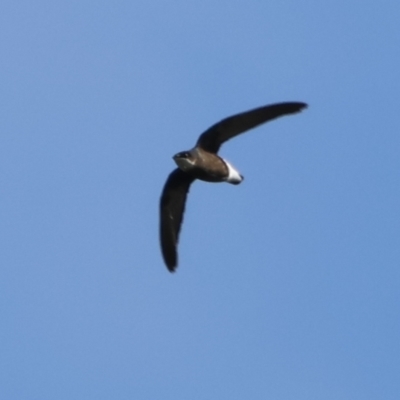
(183,154)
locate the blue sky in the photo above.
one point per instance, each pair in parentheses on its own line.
(288,284)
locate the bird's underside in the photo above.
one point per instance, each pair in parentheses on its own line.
(202,162)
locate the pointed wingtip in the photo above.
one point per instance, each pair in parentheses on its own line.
(170,261)
(171,268)
(299,107)
(292,107)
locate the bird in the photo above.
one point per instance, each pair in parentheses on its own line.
(203,162)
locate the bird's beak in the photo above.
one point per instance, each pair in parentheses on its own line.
(176,157)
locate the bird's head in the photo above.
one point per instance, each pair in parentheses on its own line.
(184,160)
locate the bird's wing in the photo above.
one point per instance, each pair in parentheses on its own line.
(172,207)
(230,127)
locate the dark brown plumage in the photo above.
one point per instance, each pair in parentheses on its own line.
(202,162)
(212,139)
(172,207)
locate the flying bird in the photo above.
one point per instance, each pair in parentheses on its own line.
(203,162)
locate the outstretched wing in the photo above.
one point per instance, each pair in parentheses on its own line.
(230,127)
(172,207)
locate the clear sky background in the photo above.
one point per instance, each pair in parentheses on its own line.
(288,285)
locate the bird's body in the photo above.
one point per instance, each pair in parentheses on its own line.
(207,166)
(203,163)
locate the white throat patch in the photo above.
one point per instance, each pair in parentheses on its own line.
(184,164)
